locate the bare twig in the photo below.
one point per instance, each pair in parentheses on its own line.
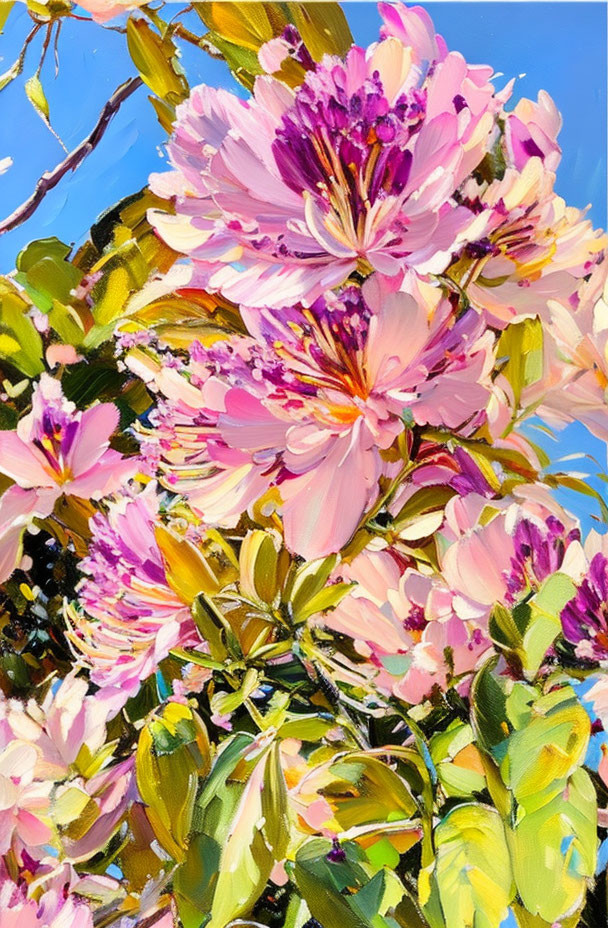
(17,67)
(56,48)
(73,159)
(45,47)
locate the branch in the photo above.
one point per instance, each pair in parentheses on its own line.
(73,159)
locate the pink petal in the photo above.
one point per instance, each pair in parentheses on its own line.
(20,463)
(323,508)
(109,474)
(92,436)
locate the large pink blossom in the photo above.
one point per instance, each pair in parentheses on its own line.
(55,451)
(283,196)
(131,615)
(309,401)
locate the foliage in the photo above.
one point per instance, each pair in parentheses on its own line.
(293,631)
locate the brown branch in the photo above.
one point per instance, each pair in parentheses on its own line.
(73,159)
(185,34)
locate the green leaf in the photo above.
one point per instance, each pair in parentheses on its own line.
(522,345)
(473,869)
(545,622)
(172,752)
(349,892)
(457,760)
(36,96)
(20,343)
(529,630)
(421,503)
(553,850)
(237,31)
(257,838)
(306,727)
(326,599)
(323,27)
(579,486)
(489,699)
(226,703)
(306,582)
(547,748)
(46,273)
(155,58)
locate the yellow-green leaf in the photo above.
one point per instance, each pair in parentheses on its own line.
(156,60)
(473,868)
(172,752)
(257,838)
(553,851)
(323,27)
(21,344)
(521,343)
(187,570)
(36,96)
(5,9)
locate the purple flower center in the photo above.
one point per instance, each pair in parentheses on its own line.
(348,149)
(538,553)
(416,620)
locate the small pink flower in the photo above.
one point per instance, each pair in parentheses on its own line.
(499,550)
(39,743)
(534,247)
(531,131)
(54,909)
(24,801)
(576,349)
(404,624)
(133,616)
(55,451)
(104,10)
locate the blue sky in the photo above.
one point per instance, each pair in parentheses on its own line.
(557,46)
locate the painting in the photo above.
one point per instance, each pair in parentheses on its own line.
(303,425)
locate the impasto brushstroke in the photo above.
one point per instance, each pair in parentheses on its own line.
(295,630)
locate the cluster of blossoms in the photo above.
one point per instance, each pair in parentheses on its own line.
(325,531)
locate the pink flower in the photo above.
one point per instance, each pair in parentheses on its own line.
(103,10)
(403,623)
(54,909)
(135,615)
(39,743)
(534,248)
(577,348)
(309,402)
(105,799)
(283,196)
(24,801)
(55,451)
(531,131)
(497,550)
(71,719)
